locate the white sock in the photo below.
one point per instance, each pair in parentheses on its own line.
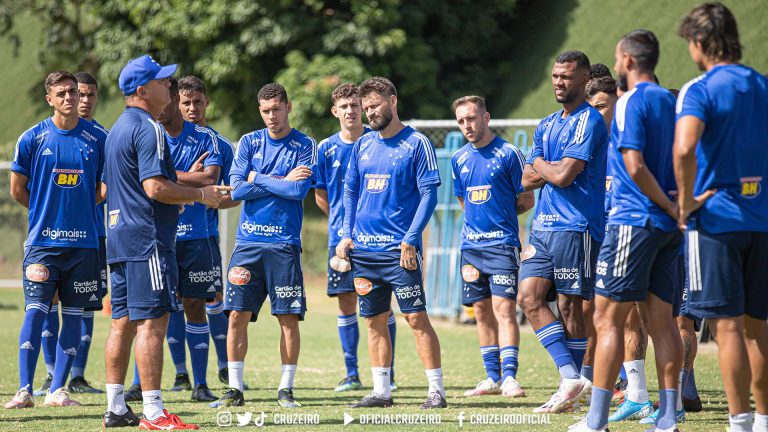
(116,399)
(236,374)
(761,423)
(286,379)
(740,422)
(679,404)
(381,381)
(435,379)
(636,388)
(153,404)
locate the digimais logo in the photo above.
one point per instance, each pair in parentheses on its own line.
(60,234)
(268,230)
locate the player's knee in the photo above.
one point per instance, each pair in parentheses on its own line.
(755,329)
(418,321)
(528,300)
(347,303)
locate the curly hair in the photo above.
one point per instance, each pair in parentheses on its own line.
(271,91)
(344,91)
(379,85)
(604,84)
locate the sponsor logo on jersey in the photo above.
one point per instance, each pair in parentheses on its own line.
(375,183)
(336,164)
(288,291)
(464,170)
(60,234)
(406,292)
(47,152)
(479,194)
(750,186)
(529,252)
(418,302)
(239,275)
(114,216)
(183,229)
(67,178)
(86,287)
(363,286)
(475,236)
(202,276)
(600,283)
(470,273)
(265,230)
(37,273)
(601,268)
(375,238)
(547,218)
(608,183)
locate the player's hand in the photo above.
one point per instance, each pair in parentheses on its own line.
(672,209)
(251,177)
(210,196)
(686,208)
(343,248)
(181,208)
(408,256)
(198,166)
(299,173)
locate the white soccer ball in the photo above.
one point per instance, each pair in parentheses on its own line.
(340,265)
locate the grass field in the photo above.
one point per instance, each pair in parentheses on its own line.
(321,366)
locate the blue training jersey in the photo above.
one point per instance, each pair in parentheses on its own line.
(269,217)
(332,161)
(644,121)
(186,148)
(138,226)
(101,209)
(227,156)
(488,179)
(63,168)
(580,206)
(388,173)
(732,154)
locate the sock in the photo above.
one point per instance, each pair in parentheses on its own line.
(597,417)
(286,379)
(552,337)
(761,423)
(116,399)
(689,385)
(637,390)
(29,342)
(51,337)
(622,373)
(577,347)
(381,382)
(69,342)
(508,362)
(435,379)
(86,333)
(217,321)
(586,371)
(740,422)
(491,361)
(198,335)
(392,325)
(136,378)
(349,334)
(175,337)
(236,374)
(667,400)
(153,404)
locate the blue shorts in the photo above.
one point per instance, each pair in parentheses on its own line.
(564,257)
(258,270)
(338,282)
(213,243)
(144,289)
(636,260)
(489,270)
(680,307)
(726,274)
(103,271)
(72,272)
(377,274)
(197,277)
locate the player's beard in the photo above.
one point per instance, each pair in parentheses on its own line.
(570,96)
(382,121)
(621,82)
(479,135)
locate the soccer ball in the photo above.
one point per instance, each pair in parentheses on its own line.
(340,265)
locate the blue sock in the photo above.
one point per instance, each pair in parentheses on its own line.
(176,337)
(586,371)
(217,321)
(349,334)
(491,361)
(69,342)
(198,335)
(552,337)
(508,362)
(51,337)
(86,333)
(577,347)
(29,342)
(667,404)
(392,324)
(597,417)
(689,384)
(623,374)
(136,378)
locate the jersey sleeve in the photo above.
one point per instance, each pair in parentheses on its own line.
(538,143)
(320,177)
(352,175)
(308,155)
(630,120)
(588,133)
(22,157)
(458,185)
(425,159)
(692,100)
(214,151)
(102,157)
(516,162)
(151,151)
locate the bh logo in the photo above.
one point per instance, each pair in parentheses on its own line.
(750,186)
(375,183)
(67,178)
(479,194)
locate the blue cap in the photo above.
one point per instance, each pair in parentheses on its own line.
(140,71)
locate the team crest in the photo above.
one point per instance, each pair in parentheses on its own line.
(529,252)
(37,273)
(375,183)
(750,186)
(114,216)
(470,273)
(239,276)
(479,194)
(363,286)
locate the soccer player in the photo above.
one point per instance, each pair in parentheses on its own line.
(193,102)
(721,138)
(390,192)
(272,174)
(332,160)
(143,211)
(196,156)
(568,163)
(487,176)
(638,259)
(58,164)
